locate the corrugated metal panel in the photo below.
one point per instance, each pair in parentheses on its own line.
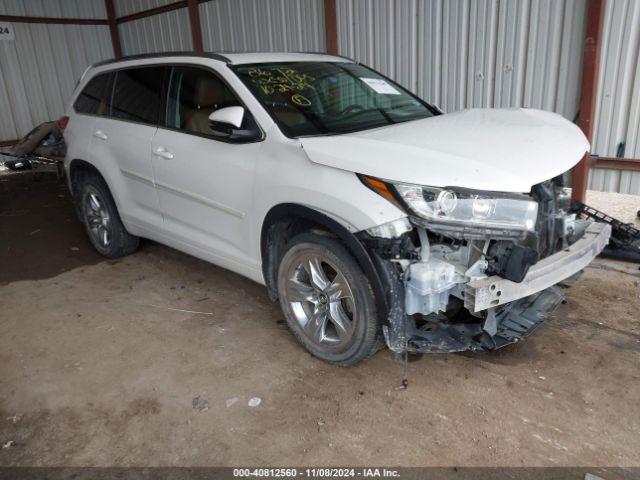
(263,25)
(618,101)
(620,181)
(165,32)
(54,8)
(472,53)
(39,70)
(127,7)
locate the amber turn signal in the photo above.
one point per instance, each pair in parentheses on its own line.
(381,188)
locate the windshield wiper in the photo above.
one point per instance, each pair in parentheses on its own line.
(386,115)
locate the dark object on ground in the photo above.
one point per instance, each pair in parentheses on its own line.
(18,165)
(625,238)
(45,140)
(30,164)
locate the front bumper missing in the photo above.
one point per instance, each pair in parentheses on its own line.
(494,291)
(515,310)
(513,322)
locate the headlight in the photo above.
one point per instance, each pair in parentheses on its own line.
(463,213)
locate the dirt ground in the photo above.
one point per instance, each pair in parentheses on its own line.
(99,367)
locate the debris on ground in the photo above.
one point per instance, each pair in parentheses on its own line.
(591,476)
(200,404)
(614,268)
(9,444)
(321,428)
(194,312)
(232,401)
(254,402)
(618,205)
(15,418)
(46,139)
(624,243)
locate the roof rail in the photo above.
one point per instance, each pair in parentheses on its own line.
(330,55)
(142,56)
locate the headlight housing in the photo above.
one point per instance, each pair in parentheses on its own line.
(463,213)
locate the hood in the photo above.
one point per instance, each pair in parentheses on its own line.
(507,150)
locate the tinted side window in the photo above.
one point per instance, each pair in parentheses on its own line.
(195,93)
(136,95)
(94,98)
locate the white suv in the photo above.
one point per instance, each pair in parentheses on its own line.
(363,209)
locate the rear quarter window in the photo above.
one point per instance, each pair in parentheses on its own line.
(94,98)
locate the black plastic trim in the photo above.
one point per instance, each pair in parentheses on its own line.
(145,56)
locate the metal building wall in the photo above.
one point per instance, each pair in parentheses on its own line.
(227,25)
(618,102)
(263,25)
(128,7)
(166,32)
(472,53)
(39,69)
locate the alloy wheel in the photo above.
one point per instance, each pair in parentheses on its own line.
(97,218)
(320,299)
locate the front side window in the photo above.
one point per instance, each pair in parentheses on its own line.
(94,98)
(137,94)
(194,94)
(315,98)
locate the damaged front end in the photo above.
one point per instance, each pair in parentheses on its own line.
(473,270)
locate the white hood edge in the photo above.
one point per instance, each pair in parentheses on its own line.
(505,150)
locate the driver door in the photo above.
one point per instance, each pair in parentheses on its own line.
(204,183)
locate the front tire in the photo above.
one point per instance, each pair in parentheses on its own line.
(327,300)
(101,219)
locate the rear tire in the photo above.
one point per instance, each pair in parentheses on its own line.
(327,300)
(101,219)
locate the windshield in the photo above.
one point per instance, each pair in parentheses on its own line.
(316,98)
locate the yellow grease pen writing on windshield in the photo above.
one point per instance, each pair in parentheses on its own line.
(286,80)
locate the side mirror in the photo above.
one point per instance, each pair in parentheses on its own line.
(227,122)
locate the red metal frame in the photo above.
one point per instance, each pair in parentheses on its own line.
(113,28)
(153,11)
(196,28)
(162,9)
(53,20)
(616,163)
(591,66)
(331,27)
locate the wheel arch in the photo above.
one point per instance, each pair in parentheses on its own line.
(286,220)
(77,167)
(76,170)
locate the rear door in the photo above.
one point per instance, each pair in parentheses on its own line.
(121,143)
(92,102)
(205,184)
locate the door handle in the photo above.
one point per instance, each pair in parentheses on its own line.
(162,152)
(100,134)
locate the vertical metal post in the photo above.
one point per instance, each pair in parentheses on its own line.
(196,28)
(589,90)
(331,27)
(113,28)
